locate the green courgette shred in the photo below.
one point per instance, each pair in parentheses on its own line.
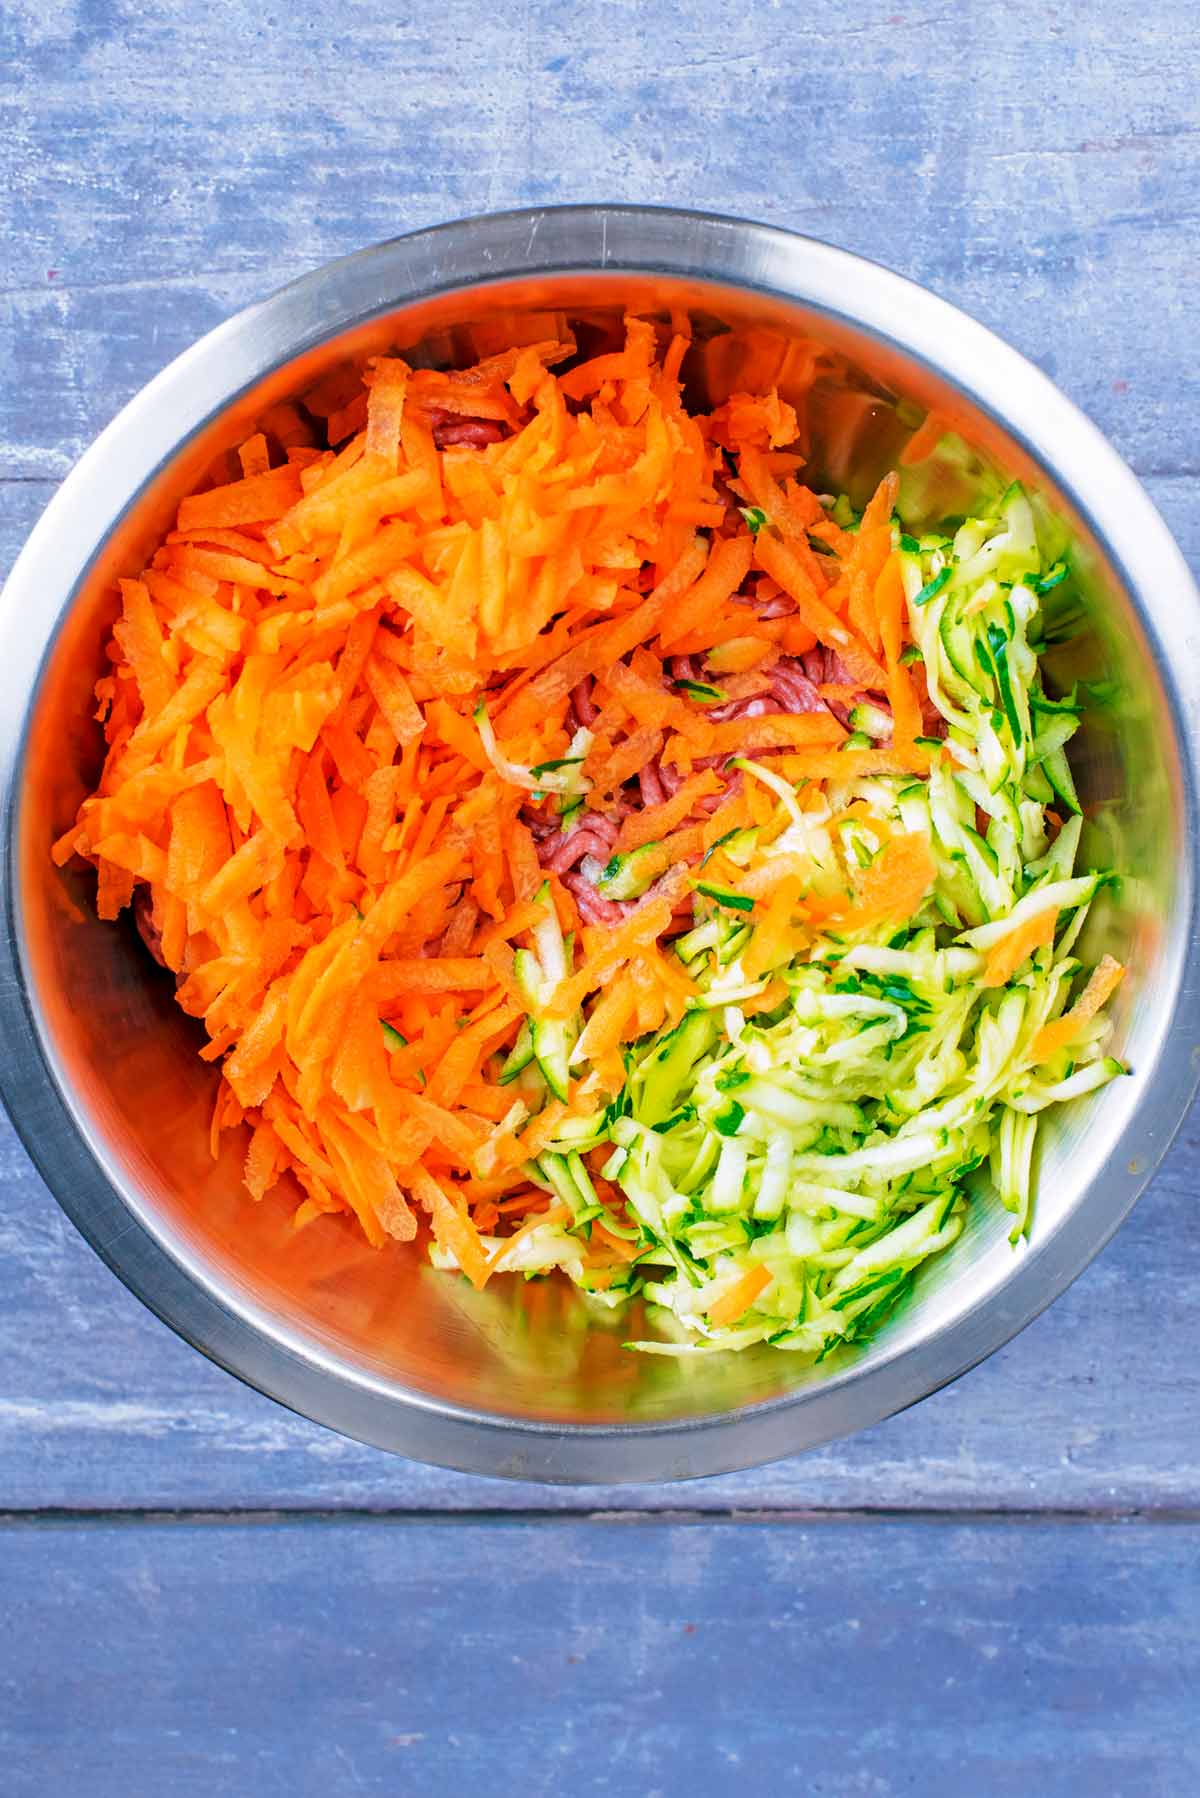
(840,1140)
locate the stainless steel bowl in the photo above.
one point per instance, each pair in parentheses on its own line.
(99,1068)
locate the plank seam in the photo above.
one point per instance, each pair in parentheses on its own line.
(265,1517)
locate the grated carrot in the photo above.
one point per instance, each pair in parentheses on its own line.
(296,780)
(779,559)
(737,1299)
(924,440)
(1106,977)
(1018,945)
(555,1214)
(894,885)
(658,821)
(890,611)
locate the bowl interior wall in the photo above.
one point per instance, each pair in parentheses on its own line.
(126,1056)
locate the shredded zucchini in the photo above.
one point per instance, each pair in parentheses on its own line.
(833,1144)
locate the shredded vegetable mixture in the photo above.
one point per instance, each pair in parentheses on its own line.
(575,832)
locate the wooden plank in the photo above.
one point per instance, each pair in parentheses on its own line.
(1056,210)
(21,505)
(1095,1405)
(610,1658)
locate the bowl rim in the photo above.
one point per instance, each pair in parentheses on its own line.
(469,255)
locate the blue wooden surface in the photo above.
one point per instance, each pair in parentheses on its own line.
(161,164)
(417,1658)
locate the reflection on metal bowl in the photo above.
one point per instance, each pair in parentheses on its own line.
(100,1070)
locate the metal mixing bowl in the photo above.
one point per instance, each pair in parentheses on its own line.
(100,1069)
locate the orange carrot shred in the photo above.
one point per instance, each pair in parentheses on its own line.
(779,559)
(453,1228)
(924,440)
(1106,977)
(889,609)
(1008,954)
(658,821)
(337,852)
(255,499)
(385,410)
(555,1214)
(737,1299)
(894,885)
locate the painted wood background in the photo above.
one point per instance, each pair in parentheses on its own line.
(997,1592)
